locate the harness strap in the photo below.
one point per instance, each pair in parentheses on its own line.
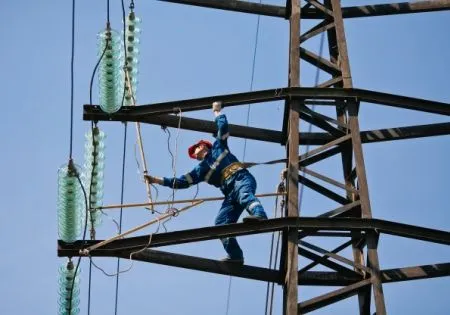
(215,164)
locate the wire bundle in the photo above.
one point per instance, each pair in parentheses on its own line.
(69,205)
(94,164)
(110,74)
(132,35)
(69,289)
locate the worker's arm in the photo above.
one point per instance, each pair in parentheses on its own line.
(194,177)
(221,122)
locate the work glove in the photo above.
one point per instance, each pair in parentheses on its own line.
(217,107)
(283,174)
(153,180)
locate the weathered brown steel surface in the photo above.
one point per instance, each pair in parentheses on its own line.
(271,225)
(383,9)
(237,6)
(332,297)
(290,281)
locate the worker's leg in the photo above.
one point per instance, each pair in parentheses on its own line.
(229,213)
(244,194)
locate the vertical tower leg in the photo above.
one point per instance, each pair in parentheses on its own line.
(290,291)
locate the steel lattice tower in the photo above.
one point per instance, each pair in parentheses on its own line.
(359,275)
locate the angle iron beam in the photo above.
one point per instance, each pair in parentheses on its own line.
(323,117)
(340,56)
(319,62)
(305,138)
(326,278)
(325,147)
(173,107)
(322,190)
(320,6)
(316,30)
(210,127)
(334,256)
(321,123)
(340,210)
(373,262)
(264,274)
(383,9)
(415,273)
(374,97)
(332,297)
(290,269)
(236,6)
(328,180)
(317,259)
(333,81)
(321,156)
(239,131)
(328,234)
(271,225)
(202,264)
(93,112)
(408,132)
(323,258)
(349,213)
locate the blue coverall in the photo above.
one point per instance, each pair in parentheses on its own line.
(239,189)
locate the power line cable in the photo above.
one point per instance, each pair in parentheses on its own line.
(247,122)
(121,212)
(251,80)
(72,61)
(88,205)
(124,152)
(71,165)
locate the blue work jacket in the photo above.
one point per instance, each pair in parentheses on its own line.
(210,169)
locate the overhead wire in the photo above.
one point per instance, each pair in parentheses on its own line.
(93,125)
(252,79)
(247,123)
(123,157)
(72,62)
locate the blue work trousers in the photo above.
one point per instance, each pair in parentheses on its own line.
(239,196)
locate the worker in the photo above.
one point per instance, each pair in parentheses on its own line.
(220,168)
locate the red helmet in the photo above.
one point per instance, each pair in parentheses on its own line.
(192,148)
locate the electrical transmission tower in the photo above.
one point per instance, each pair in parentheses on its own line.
(360,274)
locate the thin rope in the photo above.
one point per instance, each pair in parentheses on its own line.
(130,257)
(174,157)
(281,188)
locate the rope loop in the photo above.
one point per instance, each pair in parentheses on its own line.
(174,212)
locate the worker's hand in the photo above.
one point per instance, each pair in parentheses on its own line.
(283,174)
(153,180)
(217,107)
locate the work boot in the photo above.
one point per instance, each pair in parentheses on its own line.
(237,261)
(254,218)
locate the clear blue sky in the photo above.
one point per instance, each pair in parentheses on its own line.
(190,52)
